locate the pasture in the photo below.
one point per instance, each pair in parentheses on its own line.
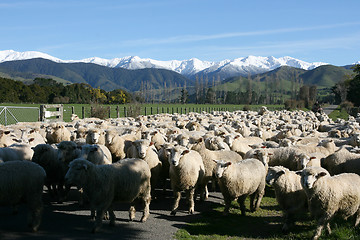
(208,222)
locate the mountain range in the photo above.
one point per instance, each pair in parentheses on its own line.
(190,68)
(134,74)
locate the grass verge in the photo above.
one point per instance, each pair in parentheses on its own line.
(266,223)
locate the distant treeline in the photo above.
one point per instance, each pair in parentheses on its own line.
(49,91)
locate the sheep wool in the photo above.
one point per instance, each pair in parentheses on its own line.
(124,181)
(328,195)
(23,180)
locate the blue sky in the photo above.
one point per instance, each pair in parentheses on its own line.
(317,30)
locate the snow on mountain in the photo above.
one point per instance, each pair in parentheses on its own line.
(11,55)
(226,68)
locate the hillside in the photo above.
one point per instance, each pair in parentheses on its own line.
(323,77)
(97,76)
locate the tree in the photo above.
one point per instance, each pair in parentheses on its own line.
(354,87)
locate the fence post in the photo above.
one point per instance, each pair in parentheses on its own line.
(82,112)
(109,112)
(72,110)
(117,112)
(125,113)
(151,110)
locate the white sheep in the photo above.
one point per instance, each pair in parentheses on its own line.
(124,181)
(288,192)
(95,153)
(186,173)
(47,157)
(342,161)
(239,180)
(208,156)
(95,136)
(330,195)
(57,133)
(23,180)
(146,150)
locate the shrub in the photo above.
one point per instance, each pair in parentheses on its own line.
(133,110)
(346,105)
(99,111)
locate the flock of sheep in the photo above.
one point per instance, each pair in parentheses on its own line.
(312,162)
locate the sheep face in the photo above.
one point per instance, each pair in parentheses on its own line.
(142,146)
(76,175)
(67,151)
(310,175)
(87,149)
(109,137)
(175,154)
(273,174)
(304,160)
(95,136)
(221,166)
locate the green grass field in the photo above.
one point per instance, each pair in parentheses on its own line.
(84,110)
(266,223)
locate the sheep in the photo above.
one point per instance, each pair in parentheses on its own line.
(325,147)
(124,181)
(328,195)
(216,143)
(95,136)
(146,150)
(23,180)
(154,136)
(46,156)
(67,151)
(208,156)
(342,161)
(239,180)
(186,173)
(288,157)
(97,154)
(288,192)
(23,150)
(117,144)
(57,133)
(241,145)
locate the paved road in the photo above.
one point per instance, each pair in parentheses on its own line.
(67,221)
(328,109)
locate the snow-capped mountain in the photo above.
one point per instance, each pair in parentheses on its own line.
(226,68)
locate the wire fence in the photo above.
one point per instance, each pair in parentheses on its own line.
(12,115)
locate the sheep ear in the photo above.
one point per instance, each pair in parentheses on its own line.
(151,143)
(31,139)
(278,174)
(227,164)
(185,152)
(85,166)
(299,172)
(321,174)
(312,158)
(263,146)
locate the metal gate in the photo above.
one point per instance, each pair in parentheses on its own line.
(11,115)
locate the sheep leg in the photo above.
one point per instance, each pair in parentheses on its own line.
(132,211)
(204,193)
(98,221)
(112,216)
(357,220)
(177,195)
(190,197)
(146,212)
(320,225)
(34,215)
(259,195)
(227,201)
(241,201)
